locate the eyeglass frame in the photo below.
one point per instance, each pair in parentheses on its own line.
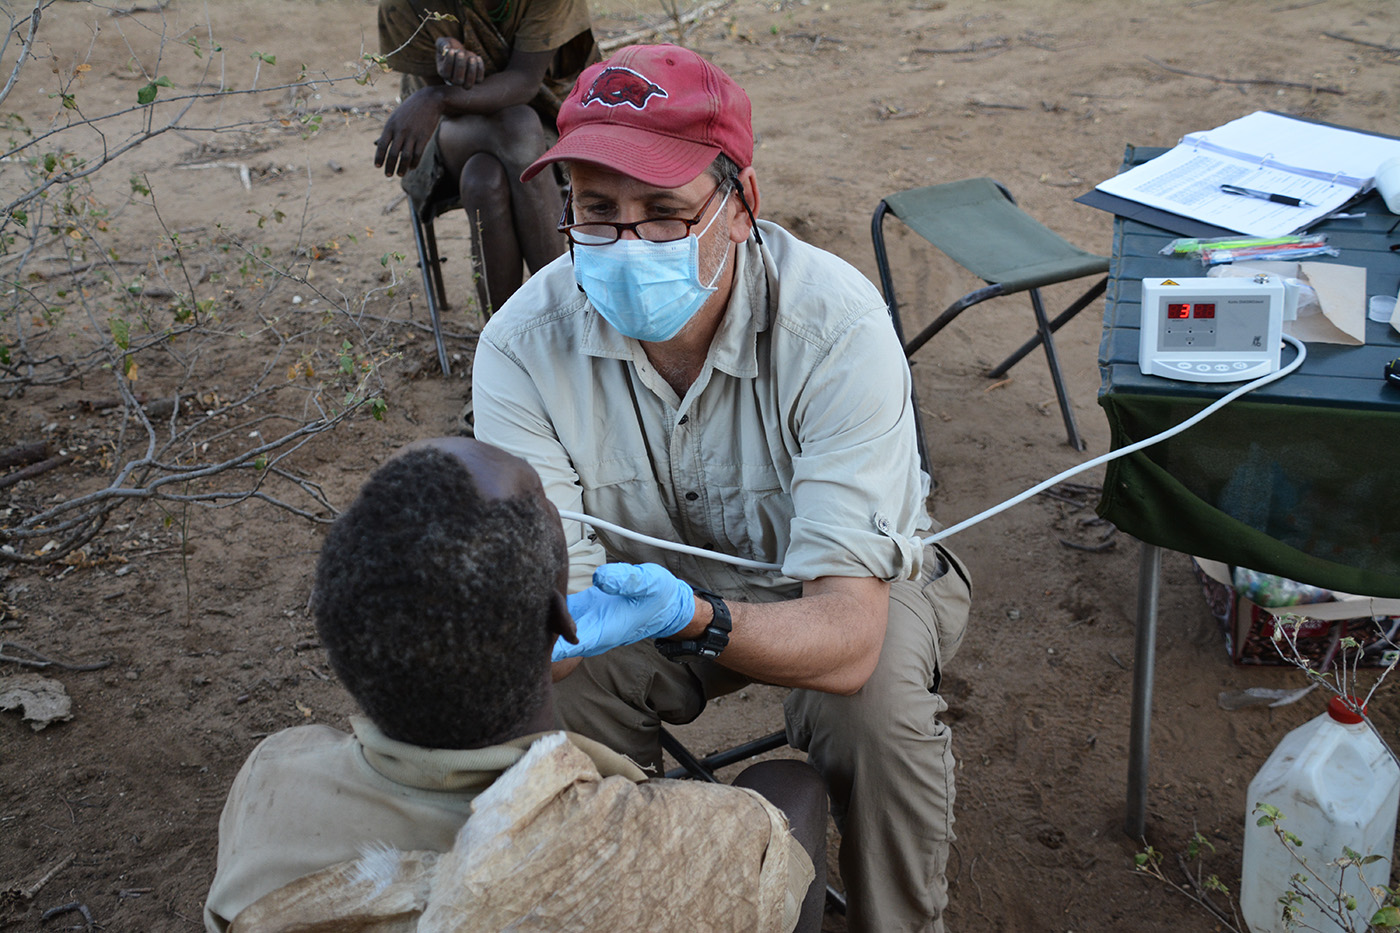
(567,228)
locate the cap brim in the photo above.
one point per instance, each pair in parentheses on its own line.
(663,161)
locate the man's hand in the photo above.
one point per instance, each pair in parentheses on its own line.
(627,603)
(407,131)
(457,66)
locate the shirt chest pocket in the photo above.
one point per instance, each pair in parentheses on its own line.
(624,490)
(751,511)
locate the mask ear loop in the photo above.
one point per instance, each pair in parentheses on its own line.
(753,222)
(563,217)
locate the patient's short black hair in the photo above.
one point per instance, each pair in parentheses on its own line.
(433,602)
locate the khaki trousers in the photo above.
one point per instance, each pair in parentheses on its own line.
(886,758)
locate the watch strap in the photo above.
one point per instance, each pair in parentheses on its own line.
(711,642)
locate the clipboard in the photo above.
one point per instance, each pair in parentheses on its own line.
(1186,225)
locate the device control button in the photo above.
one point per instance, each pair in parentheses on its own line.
(1221,368)
(1240,364)
(1203,367)
(1184,366)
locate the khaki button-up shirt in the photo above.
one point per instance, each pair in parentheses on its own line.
(794,446)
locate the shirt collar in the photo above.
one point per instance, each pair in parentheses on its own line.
(468,769)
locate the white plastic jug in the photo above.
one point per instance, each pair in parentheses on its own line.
(1337,787)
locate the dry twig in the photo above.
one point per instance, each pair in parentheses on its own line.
(23,454)
(34,469)
(40,661)
(1369,45)
(79,906)
(982,45)
(1271,82)
(29,892)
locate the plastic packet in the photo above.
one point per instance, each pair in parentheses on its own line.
(1272,591)
(1233,248)
(1243,254)
(1262,696)
(1307,295)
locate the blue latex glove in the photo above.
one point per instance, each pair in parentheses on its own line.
(627,603)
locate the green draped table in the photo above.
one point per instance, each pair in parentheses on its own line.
(1300,478)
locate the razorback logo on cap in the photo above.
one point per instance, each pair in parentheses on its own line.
(617,86)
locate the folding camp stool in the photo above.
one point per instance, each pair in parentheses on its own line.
(977,224)
(430,262)
(703,769)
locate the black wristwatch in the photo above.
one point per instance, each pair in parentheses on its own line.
(711,641)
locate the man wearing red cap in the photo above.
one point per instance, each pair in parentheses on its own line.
(699,376)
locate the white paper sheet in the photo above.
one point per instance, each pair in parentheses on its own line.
(1323,166)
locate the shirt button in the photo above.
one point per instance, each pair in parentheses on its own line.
(883,524)
(684,419)
(692,496)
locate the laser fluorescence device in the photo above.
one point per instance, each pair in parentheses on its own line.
(1211,330)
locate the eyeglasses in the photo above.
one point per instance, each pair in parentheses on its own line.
(660,230)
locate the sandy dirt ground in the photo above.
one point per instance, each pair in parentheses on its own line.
(195,620)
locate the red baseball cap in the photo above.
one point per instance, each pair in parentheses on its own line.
(657,113)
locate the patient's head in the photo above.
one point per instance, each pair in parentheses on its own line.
(438,594)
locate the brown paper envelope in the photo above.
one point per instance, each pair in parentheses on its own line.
(1341,291)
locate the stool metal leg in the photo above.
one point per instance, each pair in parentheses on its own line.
(429,263)
(1060,320)
(1056,375)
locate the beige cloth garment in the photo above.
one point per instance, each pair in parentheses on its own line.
(313,796)
(553,845)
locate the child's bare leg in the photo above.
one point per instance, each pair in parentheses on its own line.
(797,789)
(515,137)
(486,199)
(519,141)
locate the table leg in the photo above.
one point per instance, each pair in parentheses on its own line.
(1144,658)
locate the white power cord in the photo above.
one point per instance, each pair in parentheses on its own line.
(994,510)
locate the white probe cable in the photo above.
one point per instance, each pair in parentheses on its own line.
(1131,448)
(667,545)
(981,516)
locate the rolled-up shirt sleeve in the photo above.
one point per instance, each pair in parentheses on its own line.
(510,413)
(857,489)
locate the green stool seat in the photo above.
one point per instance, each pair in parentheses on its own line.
(977,224)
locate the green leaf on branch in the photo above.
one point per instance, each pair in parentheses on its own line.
(377,408)
(265,57)
(1387,918)
(121,332)
(148,93)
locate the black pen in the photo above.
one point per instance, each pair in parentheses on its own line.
(1265,196)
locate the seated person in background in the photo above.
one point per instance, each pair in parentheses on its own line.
(438,596)
(476,89)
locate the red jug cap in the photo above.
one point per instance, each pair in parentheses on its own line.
(1344,709)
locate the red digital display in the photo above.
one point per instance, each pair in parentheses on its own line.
(1179,312)
(1205,311)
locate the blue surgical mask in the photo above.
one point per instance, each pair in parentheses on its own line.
(647,290)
